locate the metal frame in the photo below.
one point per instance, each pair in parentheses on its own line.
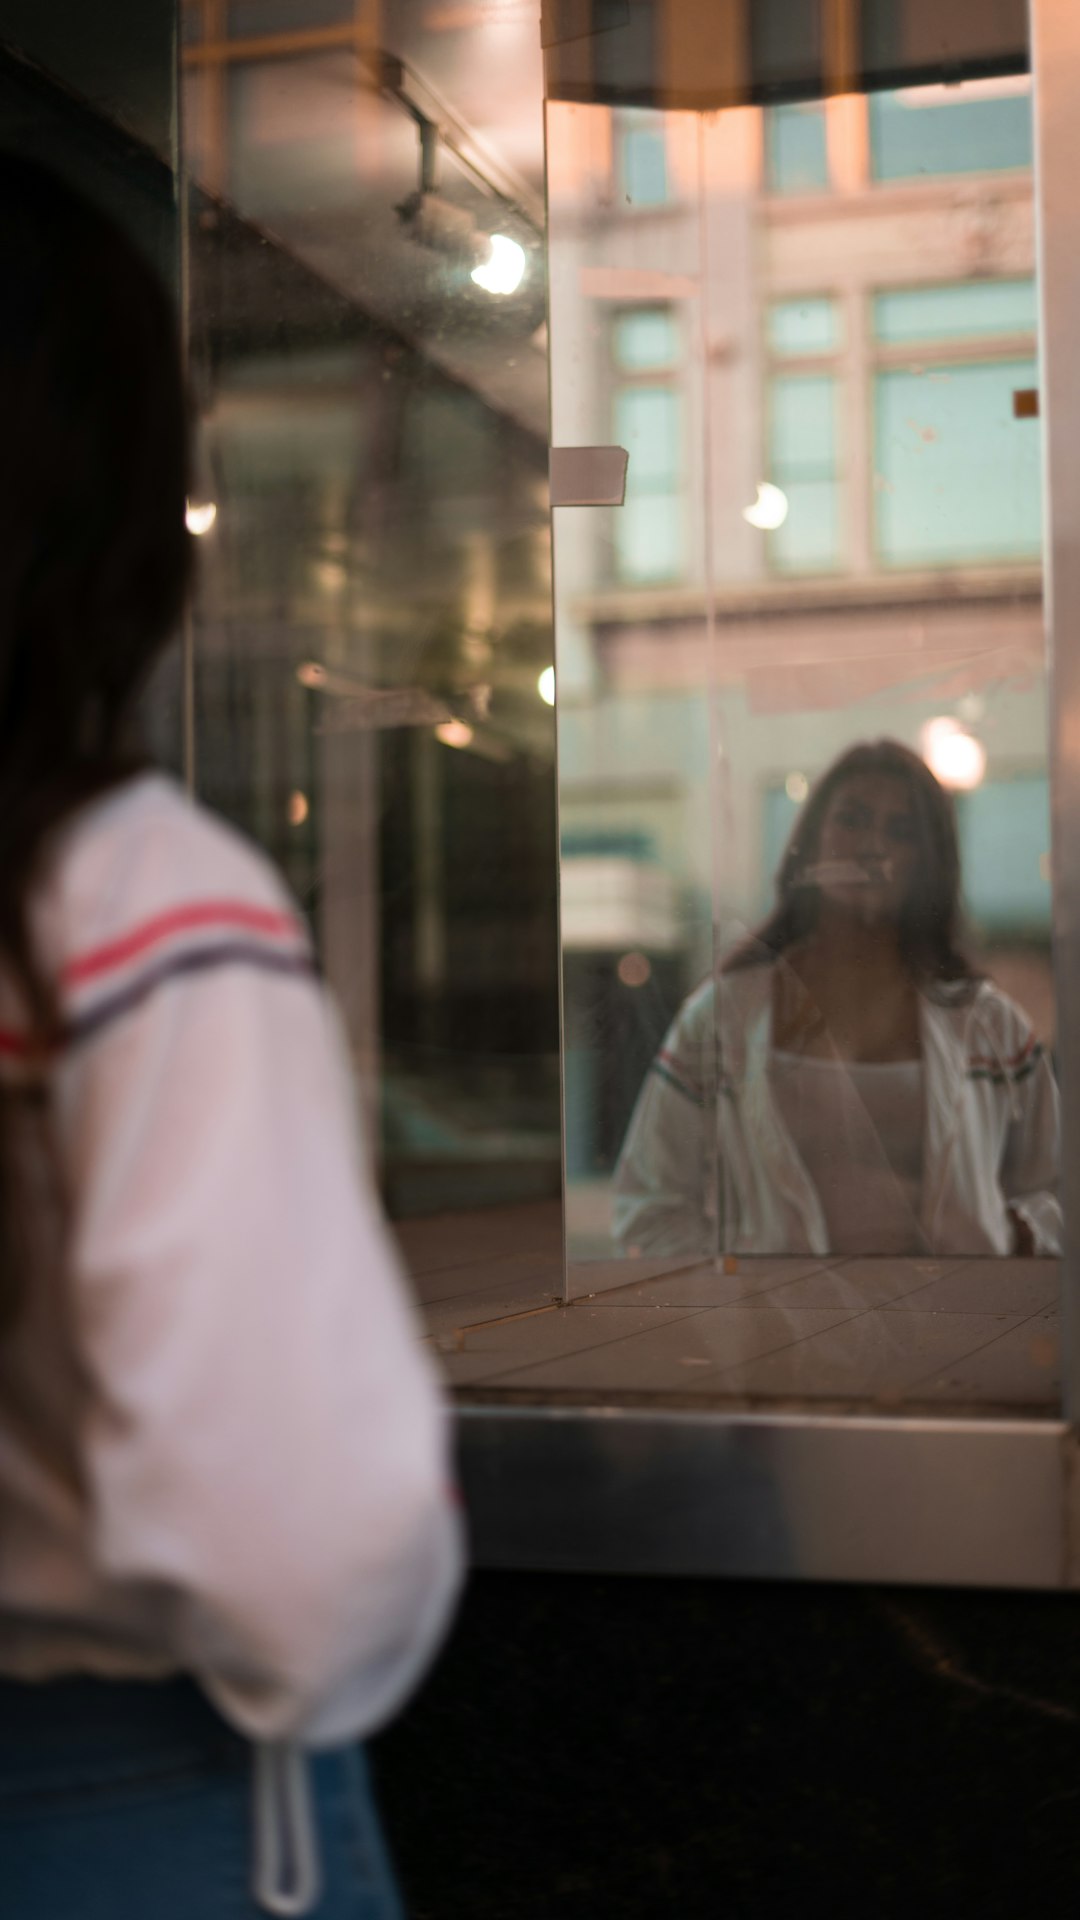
(771,1496)
(829,1496)
(1055,46)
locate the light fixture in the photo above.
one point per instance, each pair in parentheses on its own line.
(634,969)
(545,686)
(504,269)
(454,733)
(953,755)
(199,516)
(311,673)
(769,510)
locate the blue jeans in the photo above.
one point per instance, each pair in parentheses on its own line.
(132,1800)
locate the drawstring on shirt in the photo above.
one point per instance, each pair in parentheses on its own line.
(286,1873)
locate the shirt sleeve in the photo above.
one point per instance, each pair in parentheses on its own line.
(263,1440)
(1031,1171)
(663,1184)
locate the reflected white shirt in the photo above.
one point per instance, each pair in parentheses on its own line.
(857,1126)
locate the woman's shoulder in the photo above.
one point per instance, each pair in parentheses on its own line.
(148,861)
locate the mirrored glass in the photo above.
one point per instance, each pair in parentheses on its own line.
(365,240)
(806,884)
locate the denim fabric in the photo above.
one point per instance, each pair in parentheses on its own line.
(132,1801)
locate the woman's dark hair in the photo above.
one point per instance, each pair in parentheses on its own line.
(94,551)
(930,926)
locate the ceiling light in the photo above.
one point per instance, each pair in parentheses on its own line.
(769,510)
(200,516)
(504,269)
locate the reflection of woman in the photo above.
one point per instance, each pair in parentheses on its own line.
(872,1093)
(225,1529)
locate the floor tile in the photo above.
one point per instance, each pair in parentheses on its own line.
(496,1303)
(1021,1368)
(988,1286)
(689,1355)
(875,1356)
(709,1285)
(568,1330)
(859,1284)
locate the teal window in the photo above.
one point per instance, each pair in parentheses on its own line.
(957,476)
(642,149)
(649,527)
(1005,851)
(804,326)
(796,155)
(645,340)
(921,131)
(804,462)
(967,310)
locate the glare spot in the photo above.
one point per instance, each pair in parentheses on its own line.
(454,733)
(199,516)
(545,686)
(633,970)
(769,510)
(953,755)
(504,269)
(299,808)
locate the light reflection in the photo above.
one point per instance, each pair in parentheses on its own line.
(504,269)
(634,970)
(769,510)
(454,733)
(545,686)
(200,516)
(953,754)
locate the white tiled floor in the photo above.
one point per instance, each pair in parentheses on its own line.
(881,1333)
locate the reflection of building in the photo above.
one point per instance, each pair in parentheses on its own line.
(820,318)
(375,605)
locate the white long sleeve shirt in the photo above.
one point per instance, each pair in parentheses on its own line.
(221,1448)
(708,1163)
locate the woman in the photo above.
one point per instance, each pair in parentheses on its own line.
(851,1085)
(225,1530)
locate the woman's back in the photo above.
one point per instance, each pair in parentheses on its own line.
(219,1444)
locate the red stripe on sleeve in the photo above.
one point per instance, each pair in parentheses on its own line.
(204,913)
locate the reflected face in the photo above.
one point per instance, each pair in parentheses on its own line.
(868,850)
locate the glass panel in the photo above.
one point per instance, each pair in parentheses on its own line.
(803,326)
(642,160)
(646,423)
(808,996)
(797,156)
(981,126)
(803,464)
(646,340)
(967,310)
(373,648)
(957,477)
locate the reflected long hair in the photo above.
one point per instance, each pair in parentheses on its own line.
(95,556)
(930,927)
